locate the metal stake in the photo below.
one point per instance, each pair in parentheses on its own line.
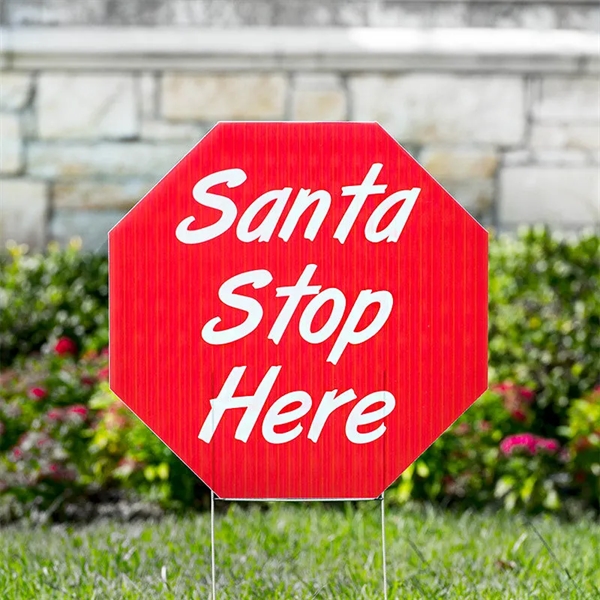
(383,553)
(212,544)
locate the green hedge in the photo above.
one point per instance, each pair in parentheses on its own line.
(532,441)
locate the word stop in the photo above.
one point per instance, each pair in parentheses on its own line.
(368,411)
(349,334)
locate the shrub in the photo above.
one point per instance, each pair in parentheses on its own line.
(545,319)
(532,442)
(583,434)
(43,297)
(126,452)
(544,353)
(64,436)
(44,422)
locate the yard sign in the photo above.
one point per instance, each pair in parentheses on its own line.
(298,310)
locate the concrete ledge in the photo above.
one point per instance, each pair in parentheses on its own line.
(318,49)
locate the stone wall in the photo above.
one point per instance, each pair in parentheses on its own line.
(90,120)
(530,14)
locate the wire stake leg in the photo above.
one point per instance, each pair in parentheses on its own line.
(212,544)
(383,553)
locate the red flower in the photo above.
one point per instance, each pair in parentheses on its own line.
(78,409)
(37,393)
(103,374)
(518,415)
(88,380)
(548,444)
(526,394)
(64,346)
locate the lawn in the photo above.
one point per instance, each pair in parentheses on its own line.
(306,551)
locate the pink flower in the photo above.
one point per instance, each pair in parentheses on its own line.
(43,441)
(37,393)
(548,444)
(103,374)
(54,414)
(17,454)
(58,472)
(524,441)
(64,346)
(513,391)
(529,443)
(462,429)
(484,426)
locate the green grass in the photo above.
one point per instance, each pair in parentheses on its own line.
(306,551)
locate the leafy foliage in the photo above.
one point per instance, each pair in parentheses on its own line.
(43,297)
(532,442)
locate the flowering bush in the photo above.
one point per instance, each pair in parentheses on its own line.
(60,294)
(126,452)
(583,447)
(531,442)
(64,436)
(44,419)
(491,454)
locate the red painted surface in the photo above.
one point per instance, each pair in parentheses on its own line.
(431,353)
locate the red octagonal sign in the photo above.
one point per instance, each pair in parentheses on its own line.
(298,310)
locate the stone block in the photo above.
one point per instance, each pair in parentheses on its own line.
(565,135)
(148,95)
(75,106)
(459,163)
(414,15)
(560,158)
(317,13)
(512,15)
(318,97)
(15,90)
(579,17)
(517,158)
(169,131)
(89,194)
(427,108)
(474,195)
(23,212)
(568,99)
(212,97)
(351,14)
(564,197)
(52,161)
(92,226)
(11,144)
